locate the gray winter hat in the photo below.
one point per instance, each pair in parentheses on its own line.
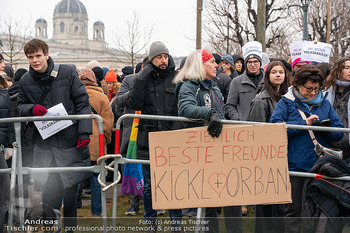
(157,48)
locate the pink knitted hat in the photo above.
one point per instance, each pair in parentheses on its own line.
(297,61)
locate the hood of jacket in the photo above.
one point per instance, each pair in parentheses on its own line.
(160,73)
(13,90)
(236,58)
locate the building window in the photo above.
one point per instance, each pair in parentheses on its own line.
(76,29)
(62,27)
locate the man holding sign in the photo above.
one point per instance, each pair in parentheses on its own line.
(44,86)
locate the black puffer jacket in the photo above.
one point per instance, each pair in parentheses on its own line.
(223,81)
(66,89)
(327,197)
(62,146)
(13,92)
(154,95)
(6,129)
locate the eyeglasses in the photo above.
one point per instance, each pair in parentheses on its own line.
(250,63)
(311,89)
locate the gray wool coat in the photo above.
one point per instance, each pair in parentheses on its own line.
(242,92)
(121,102)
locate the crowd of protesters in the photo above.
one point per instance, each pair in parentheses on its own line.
(206,86)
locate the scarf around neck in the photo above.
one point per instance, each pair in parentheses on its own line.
(47,72)
(342,83)
(308,102)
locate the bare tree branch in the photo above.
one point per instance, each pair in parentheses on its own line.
(14,35)
(134,41)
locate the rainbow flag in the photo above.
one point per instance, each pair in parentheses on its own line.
(133,178)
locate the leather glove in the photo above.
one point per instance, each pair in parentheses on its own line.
(39,110)
(215,125)
(83,140)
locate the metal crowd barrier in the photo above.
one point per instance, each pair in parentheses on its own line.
(118,159)
(18,170)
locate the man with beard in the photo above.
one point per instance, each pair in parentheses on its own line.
(153,94)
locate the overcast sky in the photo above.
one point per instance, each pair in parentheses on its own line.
(174,20)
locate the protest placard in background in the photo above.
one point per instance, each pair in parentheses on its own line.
(252,47)
(247,164)
(317,52)
(295,49)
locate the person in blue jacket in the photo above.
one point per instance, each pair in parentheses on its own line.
(304,94)
(200,98)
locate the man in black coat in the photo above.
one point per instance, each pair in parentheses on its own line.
(66,148)
(153,94)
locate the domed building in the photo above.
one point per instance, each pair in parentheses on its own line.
(70,30)
(69,43)
(70,21)
(41,28)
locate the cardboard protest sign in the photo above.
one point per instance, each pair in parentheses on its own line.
(296,48)
(247,164)
(252,47)
(318,52)
(49,128)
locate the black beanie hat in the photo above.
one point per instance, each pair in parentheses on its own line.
(252,56)
(128,70)
(9,71)
(217,58)
(98,71)
(19,73)
(182,63)
(138,67)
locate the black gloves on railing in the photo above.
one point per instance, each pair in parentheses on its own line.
(215,125)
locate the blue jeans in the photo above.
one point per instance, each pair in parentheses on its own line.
(95,195)
(150,213)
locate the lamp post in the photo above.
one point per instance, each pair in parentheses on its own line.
(305,6)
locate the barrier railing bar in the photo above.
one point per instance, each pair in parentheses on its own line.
(17,126)
(184,119)
(19,170)
(13,171)
(31,170)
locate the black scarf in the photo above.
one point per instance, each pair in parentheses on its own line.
(255,78)
(47,72)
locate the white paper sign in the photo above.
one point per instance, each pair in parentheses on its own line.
(296,48)
(319,52)
(49,128)
(252,47)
